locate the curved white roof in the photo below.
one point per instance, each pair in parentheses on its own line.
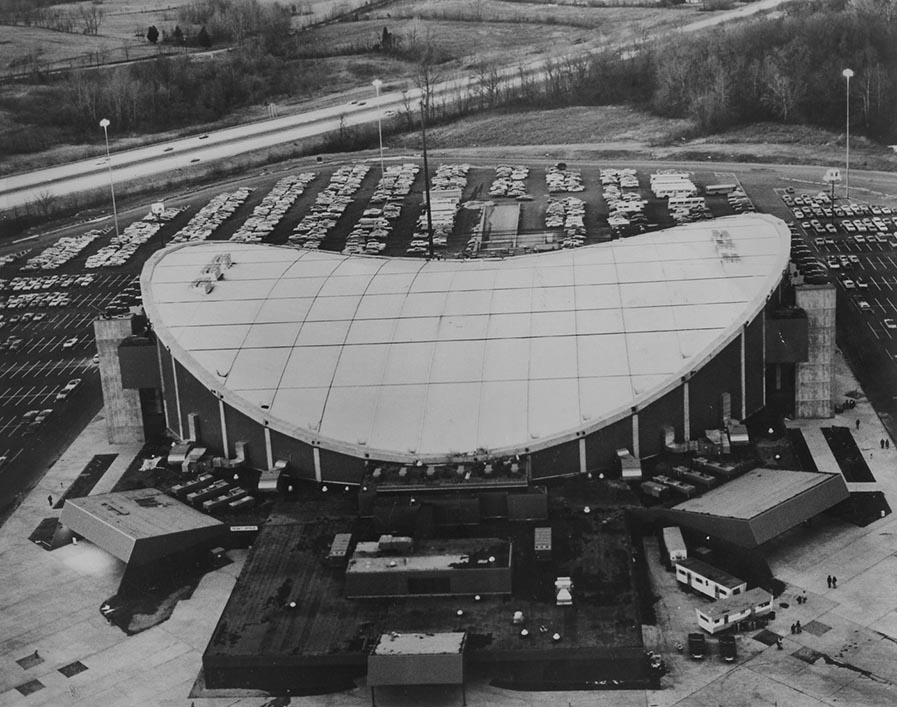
(407,359)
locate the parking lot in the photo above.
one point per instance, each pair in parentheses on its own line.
(855,246)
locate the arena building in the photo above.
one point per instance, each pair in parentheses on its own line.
(322,364)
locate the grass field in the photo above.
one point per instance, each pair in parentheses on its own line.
(617,129)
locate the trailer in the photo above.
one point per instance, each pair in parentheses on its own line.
(707,579)
(674,545)
(726,613)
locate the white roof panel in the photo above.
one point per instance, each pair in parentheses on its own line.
(257,368)
(270,335)
(396,421)
(380,356)
(504,405)
(311,366)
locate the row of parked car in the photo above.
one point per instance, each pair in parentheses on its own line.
(375,225)
(37,299)
(510,180)
(626,209)
(329,206)
(569,214)
(121,248)
(207,220)
(45,282)
(447,187)
(559,179)
(130,296)
(62,251)
(274,205)
(804,262)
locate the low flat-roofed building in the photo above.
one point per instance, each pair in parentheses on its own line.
(140,526)
(725,613)
(438,567)
(707,579)
(760,505)
(417,659)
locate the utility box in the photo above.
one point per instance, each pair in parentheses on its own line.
(542,544)
(338,556)
(563,588)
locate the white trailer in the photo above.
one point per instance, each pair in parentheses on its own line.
(707,579)
(674,544)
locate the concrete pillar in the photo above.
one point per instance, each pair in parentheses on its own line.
(193,426)
(763,347)
(162,384)
(582,455)
(177,397)
(813,384)
(269,455)
(226,447)
(743,387)
(124,418)
(635,442)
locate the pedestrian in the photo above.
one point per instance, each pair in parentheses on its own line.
(887,443)
(858,424)
(779,643)
(881,444)
(834,582)
(36,655)
(828,581)
(793,629)
(50,500)
(797,627)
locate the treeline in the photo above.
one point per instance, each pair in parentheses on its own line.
(153,96)
(786,69)
(83,19)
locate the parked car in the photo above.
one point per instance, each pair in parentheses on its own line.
(697,645)
(728,650)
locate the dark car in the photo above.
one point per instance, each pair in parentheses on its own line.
(697,645)
(728,651)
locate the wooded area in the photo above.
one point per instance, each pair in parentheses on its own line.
(785,69)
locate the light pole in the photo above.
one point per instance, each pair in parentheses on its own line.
(377,83)
(104,124)
(847,73)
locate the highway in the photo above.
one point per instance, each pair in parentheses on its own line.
(85,175)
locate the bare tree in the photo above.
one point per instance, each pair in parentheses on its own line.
(781,89)
(489,82)
(91,17)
